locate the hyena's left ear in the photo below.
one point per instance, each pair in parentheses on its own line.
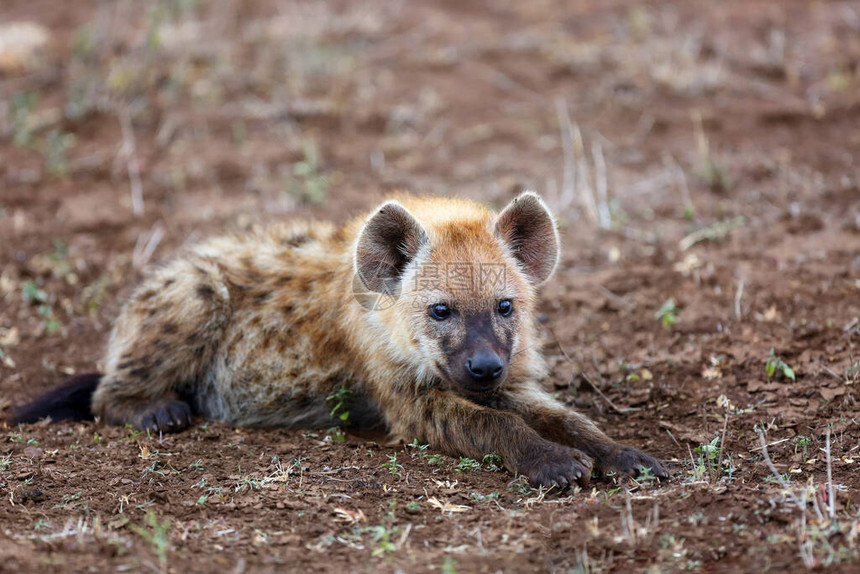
(529,230)
(390,239)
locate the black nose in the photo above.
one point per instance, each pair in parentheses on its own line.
(485,366)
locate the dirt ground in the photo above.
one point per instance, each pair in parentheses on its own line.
(702,158)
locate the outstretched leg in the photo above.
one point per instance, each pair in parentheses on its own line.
(462,428)
(558,423)
(162,342)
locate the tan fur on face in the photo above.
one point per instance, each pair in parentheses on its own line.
(260,330)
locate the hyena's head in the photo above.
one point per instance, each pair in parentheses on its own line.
(460,284)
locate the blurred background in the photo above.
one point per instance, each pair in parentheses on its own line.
(117,115)
(701,156)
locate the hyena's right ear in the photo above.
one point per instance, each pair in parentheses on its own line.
(528,228)
(390,239)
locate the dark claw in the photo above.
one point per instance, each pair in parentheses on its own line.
(550,464)
(170,416)
(148,423)
(632,462)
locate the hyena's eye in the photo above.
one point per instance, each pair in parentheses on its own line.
(440,311)
(506,307)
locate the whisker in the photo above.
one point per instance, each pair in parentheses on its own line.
(525,349)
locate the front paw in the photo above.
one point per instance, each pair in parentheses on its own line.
(551,464)
(633,462)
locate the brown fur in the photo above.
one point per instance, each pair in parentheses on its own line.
(260,330)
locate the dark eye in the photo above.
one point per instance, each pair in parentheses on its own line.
(506,307)
(440,311)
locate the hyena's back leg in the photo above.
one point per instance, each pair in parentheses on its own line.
(162,342)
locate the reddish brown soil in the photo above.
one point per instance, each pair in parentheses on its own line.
(461,99)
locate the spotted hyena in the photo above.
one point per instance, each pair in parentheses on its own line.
(420,316)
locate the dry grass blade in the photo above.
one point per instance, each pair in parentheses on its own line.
(831,503)
(146,245)
(129,153)
(738,296)
(349,516)
(446,507)
(578,183)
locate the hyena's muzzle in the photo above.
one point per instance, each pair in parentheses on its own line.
(479,364)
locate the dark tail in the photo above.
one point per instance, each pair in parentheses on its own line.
(69,401)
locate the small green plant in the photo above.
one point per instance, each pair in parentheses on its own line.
(697,518)
(59,257)
(307,182)
(336,434)
(133,433)
(668,313)
(211,491)
(786,478)
(94,293)
(777,368)
(392,466)
(248,483)
(97,438)
(802,443)
(436,459)
(493,463)
(689,213)
(852,373)
(68,499)
(467,465)
(55,150)
(50,321)
(341,401)
(158,535)
(520,485)
(449,566)
(478,497)
(646,476)
(31,293)
(710,450)
(23,104)
(707,468)
(382,536)
(422,448)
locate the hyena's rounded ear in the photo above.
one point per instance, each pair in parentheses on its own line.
(390,239)
(528,228)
